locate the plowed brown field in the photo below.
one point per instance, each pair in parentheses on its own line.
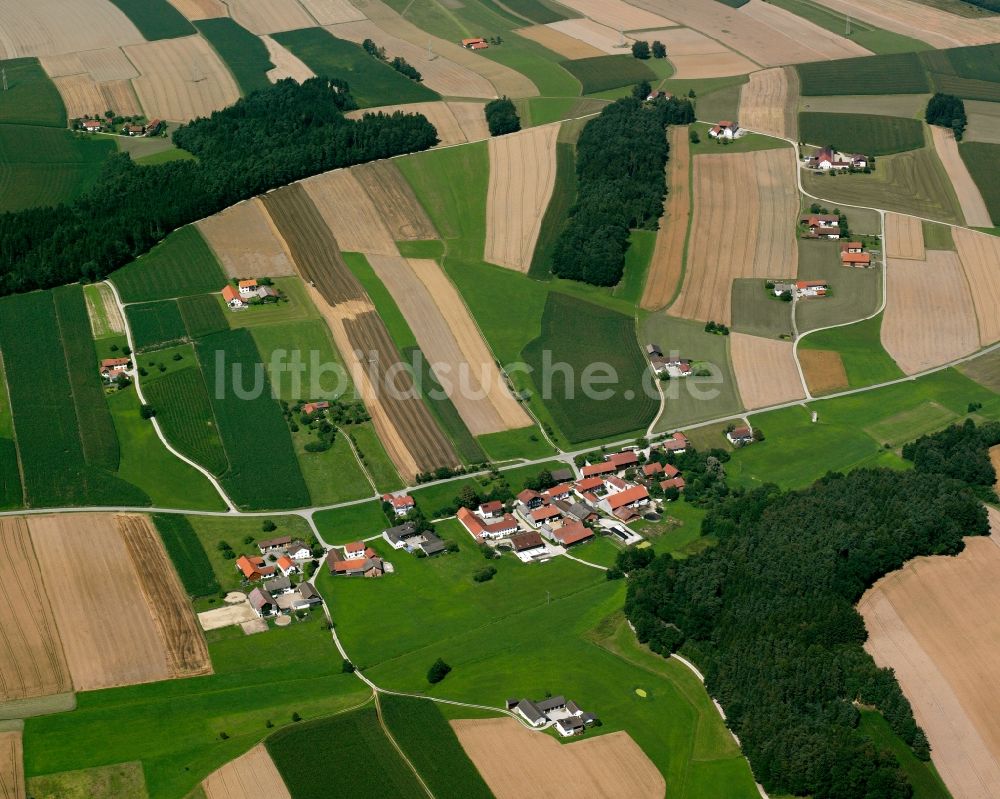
(765,370)
(618,15)
(395,201)
(980,254)
(516,762)
(934,622)
(823,43)
(450,128)
(286,65)
(921,21)
(11,766)
(200,9)
(560,43)
(929,316)
(82,95)
(351,215)
(667,263)
(904,237)
(768,101)
(969,197)
(270,17)
(522,175)
(251,776)
(48,27)
(244,240)
(181,78)
(743,226)
(823,369)
(31,656)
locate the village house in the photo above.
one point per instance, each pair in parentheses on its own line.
(278,586)
(547,514)
(399,537)
(575,511)
(476,43)
(678,443)
(368,565)
(297,550)
(572,532)
(355,549)
(562,491)
(674,482)
(725,130)
(589,487)
(430,544)
(286,565)
(530,499)
(273,544)
(678,367)
(491,510)
(92,125)
(305,596)
(740,436)
(623,460)
(528,546)
(262,603)
(625,505)
(821,226)
(481,532)
(153,127)
(614,484)
(857,259)
(232,298)
(253,568)
(652,469)
(133,130)
(248,288)
(112,367)
(309,408)
(811,288)
(598,469)
(401,505)
(826,159)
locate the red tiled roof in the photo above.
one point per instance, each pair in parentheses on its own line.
(670,470)
(598,468)
(673,482)
(546,512)
(471,522)
(572,533)
(559,490)
(627,497)
(652,468)
(523,541)
(589,484)
(285,562)
(246,284)
(404,501)
(111,363)
(348,565)
(527,495)
(810,284)
(229,293)
(491,507)
(741,432)
(623,459)
(855,258)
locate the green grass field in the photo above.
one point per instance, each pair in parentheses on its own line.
(187,554)
(394,320)
(350,523)
(536,111)
(296,305)
(123,780)
(752,142)
(871,134)
(374,457)
(307,343)
(11,493)
(243,52)
(854,293)
(938,237)
(179,266)
(372,82)
(637,258)
(865,360)
(155,324)
(758,312)
(441,499)
(525,442)
(331,476)
(981,159)
(722,103)
(31,97)
(155,19)
(202,314)
(557,213)
(898,73)
(601,73)
(926,782)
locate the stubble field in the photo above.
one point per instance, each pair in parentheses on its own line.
(823,369)
(270,17)
(558,42)
(619,15)
(349,212)
(82,95)
(920,21)
(606,40)
(667,263)
(824,44)
(980,254)
(969,197)
(244,240)
(247,777)
(48,27)
(286,65)
(200,9)
(11,765)
(455,122)
(767,102)
(395,201)
(765,370)
(904,237)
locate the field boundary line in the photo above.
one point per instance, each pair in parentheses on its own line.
(397,747)
(17,446)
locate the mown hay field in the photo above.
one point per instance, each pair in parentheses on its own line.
(84,96)
(349,212)
(270,17)
(984,121)
(395,201)
(618,14)
(821,43)
(667,263)
(200,9)
(871,134)
(286,65)
(558,42)
(768,100)
(921,21)
(11,765)
(606,40)
(904,237)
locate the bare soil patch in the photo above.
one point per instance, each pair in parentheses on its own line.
(31,655)
(82,95)
(824,44)
(904,237)
(11,765)
(618,15)
(516,762)
(249,776)
(969,197)
(765,370)
(245,241)
(270,17)
(768,100)
(558,42)
(823,369)
(934,623)
(667,263)
(395,201)
(522,175)
(980,254)
(929,316)
(200,9)
(743,226)
(227,616)
(49,27)
(349,212)
(181,78)
(332,12)
(286,65)
(601,37)
(920,21)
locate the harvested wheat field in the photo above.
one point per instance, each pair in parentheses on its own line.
(102,65)
(618,15)
(934,622)
(272,16)
(522,175)
(607,40)
(201,9)
(332,12)
(31,655)
(823,370)
(694,55)
(746,230)
(181,78)
(108,319)
(286,65)
(516,762)
(48,27)
(471,119)
(667,263)
(245,241)
(824,44)
(82,95)
(11,765)
(441,115)
(395,201)
(980,254)
(921,21)
(768,100)
(187,652)
(929,316)
(249,776)
(904,237)
(765,370)
(445,76)
(560,43)
(969,197)
(348,210)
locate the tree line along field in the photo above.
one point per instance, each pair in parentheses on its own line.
(244,53)
(863,133)
(982,158)
(179,266)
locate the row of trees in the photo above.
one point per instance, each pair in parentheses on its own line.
(768,614)
(948,111)
(271,137)
(501,116)
(643,51)
(400,64)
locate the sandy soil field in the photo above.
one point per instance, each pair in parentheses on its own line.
(607,40)
(31,654)
(11,766)
(823,370)
(995,460)
(824,44)
(82,95)
(504,79)
(935,623)
(919,21)
(450,129)
(973,207)
(667,263)
(187,652)
(250,776)
(200,9)
(745,231)
(108,635)
(227,616)
(522,175)
(765,370)
(557,42)
(270,17)
(980,254)
(929,316)
(440,73)
(395,201)
(244,240)
(767,102)
(984,121)
(516,762)
(110,319)
(47,27)
(286,65)
(350,213)
(904,237)
(181,78)
(332,12)
(618,15)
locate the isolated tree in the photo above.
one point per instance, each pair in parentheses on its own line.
(642,90)
(147,411)
(640,50)
(659,49)
(268,526)
(501,116)
(438,671)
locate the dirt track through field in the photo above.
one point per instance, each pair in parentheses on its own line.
(904,237)
(934,622)
(469,124)
(743,226)
(393,198)
(929,316)
(522,176)
(768,101)
(181,78)
(921,21)
(286,65)
(667,262)
(49,27)
(823,370)
(349,212)
(561,43)
(200,9)
(251,776)
(83,96)
(969,197)
(11,765)
(270,17)
(187,652)
(980,254)
(765,370)
(516,762)
(244,240)
(618,14)
(31,655)
(825,44)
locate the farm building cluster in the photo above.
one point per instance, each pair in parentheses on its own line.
(801,289)
(249,291)
(272,570)
(725,131)
(825,159)
(356,559)
(555,711)
(475,43)
(120,126)
(113,368)
(672,365)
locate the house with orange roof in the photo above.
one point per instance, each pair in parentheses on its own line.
(678,443)
(112,367)
(598,469)
(569,534)
(367,567)
(859,260)
(625,504)
(491,510)
(674,482)
(248,288)
(355,549)
(561,491)
(811,288)
(401,505)
(286,565)
(623,460)
(475,43)
(254,568)
(481,531)
(233,299)
(530,499)
(547,514)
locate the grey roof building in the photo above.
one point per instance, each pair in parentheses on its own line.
(432,545)
(278,585)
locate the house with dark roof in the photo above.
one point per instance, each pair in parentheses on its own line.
(271,544)
(279,585)
(740,436)
(400,536)
(306,597)
(431,545)
(262,603)
(528,546)
(566,716)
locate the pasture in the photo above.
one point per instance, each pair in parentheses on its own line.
(872,134)
(31,97)
(307,343)
(865,361)
(333,475)
(244,54)
(155,19)
(352,522)
(374,457)
(897,73)
(602,73)
(854,293)
(981,160)
(155,324)
(179,266)
(758,312)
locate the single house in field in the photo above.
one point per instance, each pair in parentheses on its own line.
(859,260)
(272,544)
(725,130)
(262,603)
(740,436)
(91,125)
(133,130)
(476,43)
(401,505)
(653,350)
(112,367)
(481,531)
(309,408)
(399,537)
(811,288)
(233,298)
(566,716)
(153,127)
(528,546)
(248,288)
